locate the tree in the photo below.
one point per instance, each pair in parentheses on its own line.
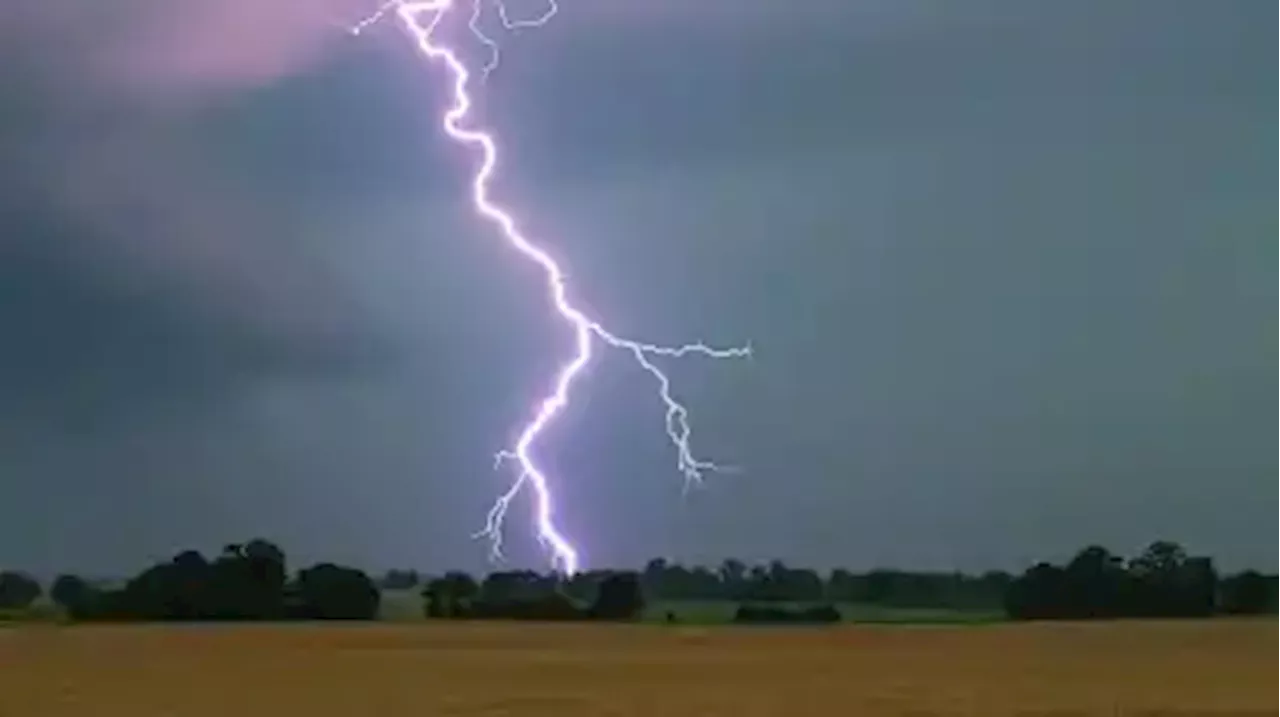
(266,562)
(331,592)
(515,586)
(400,579)
(1162,557)
(733,576)
(991,586)
(246,582)
(619,598)
(451,595)
(17,590)
(701,582)
(1249,593)
(1161,582)
(1095,584)
(676,582)
(1037,594)
(793,585)
(1168,583)
(180,589)
(581,586)
(879,586)
(655,578)
(841,586)
(264,575)
(71,592)
(1196,588)
(462,589)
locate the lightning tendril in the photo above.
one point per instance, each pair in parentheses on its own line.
(421,19)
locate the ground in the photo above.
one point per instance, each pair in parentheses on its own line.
(1219,667)
(406,605)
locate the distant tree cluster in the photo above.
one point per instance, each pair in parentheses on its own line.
(17,590)
(247,581)
(400,580)
(1163,581)
(527,595)
(732,581)
(777,582)
(250,581)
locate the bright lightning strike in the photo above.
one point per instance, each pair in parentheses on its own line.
(421,18)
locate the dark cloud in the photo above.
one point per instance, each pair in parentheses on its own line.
(1006,266)
(84,350)
(141,264)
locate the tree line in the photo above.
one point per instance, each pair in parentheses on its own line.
(1162,581)
(247,581)
(250,581)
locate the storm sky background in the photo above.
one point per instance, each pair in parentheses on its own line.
(1006,267)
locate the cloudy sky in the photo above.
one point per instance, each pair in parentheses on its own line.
(1006,267)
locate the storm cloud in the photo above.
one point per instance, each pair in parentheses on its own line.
(1006,266)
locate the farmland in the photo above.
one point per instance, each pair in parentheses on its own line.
(406,606)
(463,669)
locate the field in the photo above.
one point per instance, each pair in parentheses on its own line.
(406,606)
(1219,667)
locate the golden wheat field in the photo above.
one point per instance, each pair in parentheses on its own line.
(466,670)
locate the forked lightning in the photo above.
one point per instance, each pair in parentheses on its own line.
(422,19)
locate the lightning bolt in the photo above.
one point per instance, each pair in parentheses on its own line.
(421,19)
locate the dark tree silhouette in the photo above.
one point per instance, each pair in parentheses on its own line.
(177,590)
(620,597)
(525,595)
(249,581)
(733,577)
(330,592)
(264,576)
(450,595)
(1249,593)
(777,582)
(1096,585)
(400,580)
(1037,594)
(1161,582)
(517,586)
(17,590)
(1168,583)
(72,593)
(654,577)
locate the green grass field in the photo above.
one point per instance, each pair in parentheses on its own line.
(406,606)
(721,611)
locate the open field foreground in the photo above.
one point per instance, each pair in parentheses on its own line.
(1206,668)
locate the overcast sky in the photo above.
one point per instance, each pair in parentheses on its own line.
(1006,266)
